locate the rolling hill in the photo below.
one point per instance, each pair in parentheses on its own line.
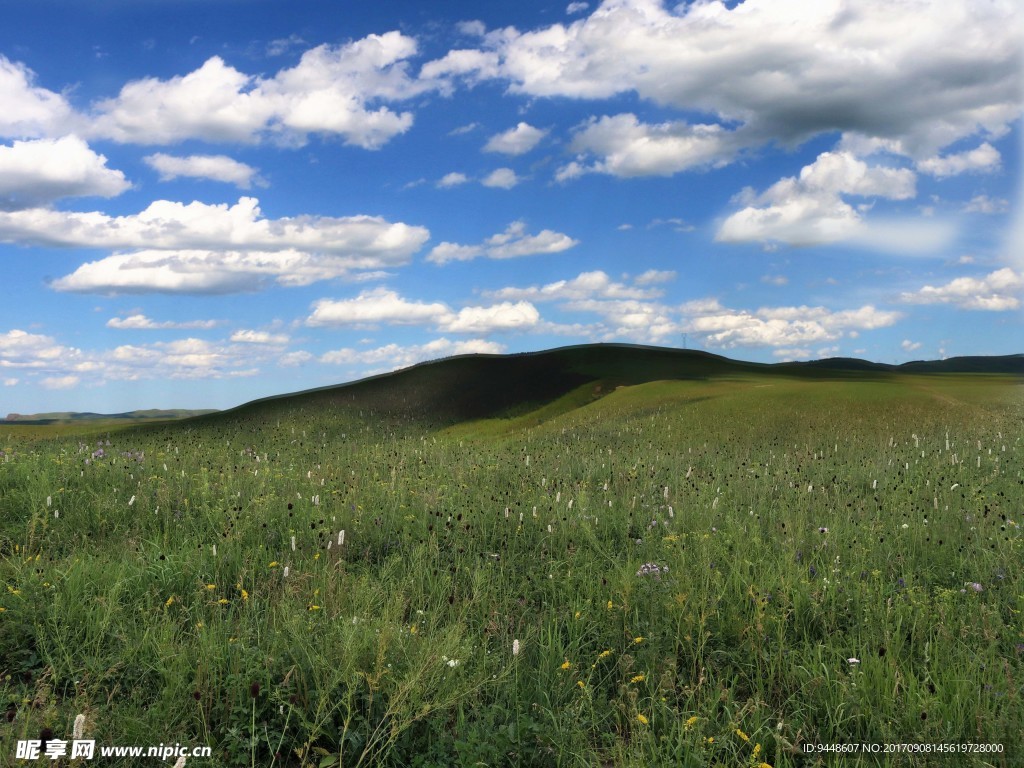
(469,387)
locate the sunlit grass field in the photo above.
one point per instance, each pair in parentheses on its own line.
(717,571)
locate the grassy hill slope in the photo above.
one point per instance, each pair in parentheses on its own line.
(471,387)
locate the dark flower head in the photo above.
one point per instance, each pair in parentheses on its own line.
(254,690)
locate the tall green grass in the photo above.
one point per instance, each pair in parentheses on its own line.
(688,568)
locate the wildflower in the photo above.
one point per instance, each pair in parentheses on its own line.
(975,586)
(313,607)
(604,654)
(170,602)
(211,587)
(413,629)
(853,660)
(515,647)
(642,720)
(273,564)
(691,722)
(742,735)
(254,690)
(652,569)
(565,664)
(245,595)
(610,605)
(638,640)
(78,730)
(711,739)
(638,678)
(223,601)
(581,685)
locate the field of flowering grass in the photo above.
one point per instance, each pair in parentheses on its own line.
(718,571)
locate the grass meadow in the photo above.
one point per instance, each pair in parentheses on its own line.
(712,572)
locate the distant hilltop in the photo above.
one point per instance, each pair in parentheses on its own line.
(70,417)
(480,385)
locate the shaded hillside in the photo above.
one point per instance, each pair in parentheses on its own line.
(470,387)
(478,386)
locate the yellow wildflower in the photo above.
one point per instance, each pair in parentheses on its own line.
(170,602)
(273,564)
(314,608)
(211,587)
(581,684)
(638,679)
(711,739)
(413,629)
(638,640)
(223,601)
(691,722)
(566,664)
(742,735)
(643,720)
(245,595)
(610,605)
(604,654)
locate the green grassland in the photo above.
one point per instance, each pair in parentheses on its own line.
(604,556)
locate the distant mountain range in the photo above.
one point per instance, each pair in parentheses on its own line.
(474,386)
(70,417)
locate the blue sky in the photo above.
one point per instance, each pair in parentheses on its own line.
(202,203)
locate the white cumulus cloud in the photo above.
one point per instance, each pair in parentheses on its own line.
(28,111)
(394,356)
(626,147)
(982,159)
(141,322)
(587,285)
(384,306)
(995,292)
(452,179)
(782,70)
(39,171)
(784,327)
(499,317)
(501,178)
(512,243)
(333,90)
(378,305)
(809,209)
(198,247)
(246,336)
(214,167)
(516,141)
